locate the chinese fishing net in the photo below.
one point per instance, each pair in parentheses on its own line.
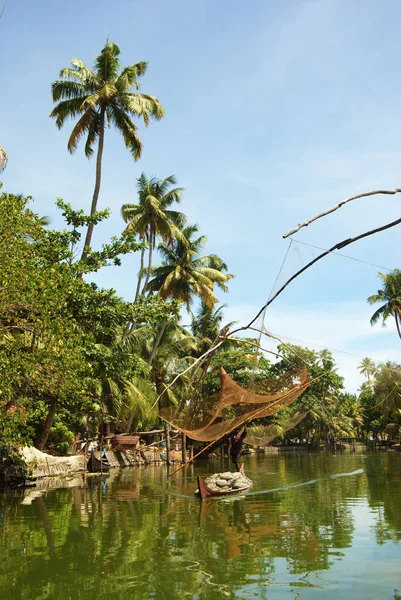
(209,419)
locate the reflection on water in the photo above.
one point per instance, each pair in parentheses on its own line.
(313,526)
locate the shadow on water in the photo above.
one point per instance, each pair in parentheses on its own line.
(308,526)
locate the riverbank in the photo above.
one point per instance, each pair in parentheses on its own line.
(41,465)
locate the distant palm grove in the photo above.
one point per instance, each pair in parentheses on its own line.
(75,356)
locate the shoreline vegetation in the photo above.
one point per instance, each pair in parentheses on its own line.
(79,362)
(40,466)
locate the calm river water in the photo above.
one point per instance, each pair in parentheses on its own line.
(314,526)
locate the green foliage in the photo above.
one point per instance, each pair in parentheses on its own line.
(152,218)
(184,274)
(60,438)
(241,364)
(61,338)
(325,419)
(389,296)
(106,90)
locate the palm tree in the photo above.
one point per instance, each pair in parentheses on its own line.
(388,387)
(102,97)
(3,159)
(390,296)
(152,218)
(367,368)
(206,326)
(184,275)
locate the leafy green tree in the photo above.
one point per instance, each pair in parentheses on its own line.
(324,421)
(102,97)
(243,364)
(350,410)
(387,388)
(184,275)
(65,353)
(42,356)
(152,217)
(389,296)
(373,421)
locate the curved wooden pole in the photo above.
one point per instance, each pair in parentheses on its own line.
(339,205)
(337,246)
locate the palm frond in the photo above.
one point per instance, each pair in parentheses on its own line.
(81,127)
(129,76)
(141,106)
(67,109)
(107,63)
(67,89)
(93,134)
(128,130)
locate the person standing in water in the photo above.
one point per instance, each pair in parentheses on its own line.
(236,441)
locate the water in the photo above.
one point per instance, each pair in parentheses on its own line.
(313,527)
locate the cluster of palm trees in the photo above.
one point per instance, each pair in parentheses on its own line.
(103,97)
(183,274)
(108,96)
(380,398)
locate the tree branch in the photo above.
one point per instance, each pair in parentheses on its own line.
(338,246)
(339,205)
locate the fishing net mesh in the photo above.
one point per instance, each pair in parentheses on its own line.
(209,419)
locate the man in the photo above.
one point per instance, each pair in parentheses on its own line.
(236,441)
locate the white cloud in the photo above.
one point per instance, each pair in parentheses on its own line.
(343,328)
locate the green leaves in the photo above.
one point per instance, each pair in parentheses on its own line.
(390,298)
(83,92)
(184,275)
(61,338)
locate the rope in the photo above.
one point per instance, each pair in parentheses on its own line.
(344,256)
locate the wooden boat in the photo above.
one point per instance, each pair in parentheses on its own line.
(98,465)
(204,490)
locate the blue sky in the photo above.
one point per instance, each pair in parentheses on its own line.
(274,111)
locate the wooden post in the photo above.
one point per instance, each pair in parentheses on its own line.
(167,434)
(183,447)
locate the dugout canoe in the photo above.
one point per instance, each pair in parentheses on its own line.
(204,491)
(96,465)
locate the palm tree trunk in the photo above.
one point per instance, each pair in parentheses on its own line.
(157,341)
(138,287)
(129,423)
(151,242)
(397,322)
(96,191)
(44,434)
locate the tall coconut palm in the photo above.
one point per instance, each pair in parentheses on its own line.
(101,97)
(152,217)
(367,368)
(184,275)
(390,297)
(3,159)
